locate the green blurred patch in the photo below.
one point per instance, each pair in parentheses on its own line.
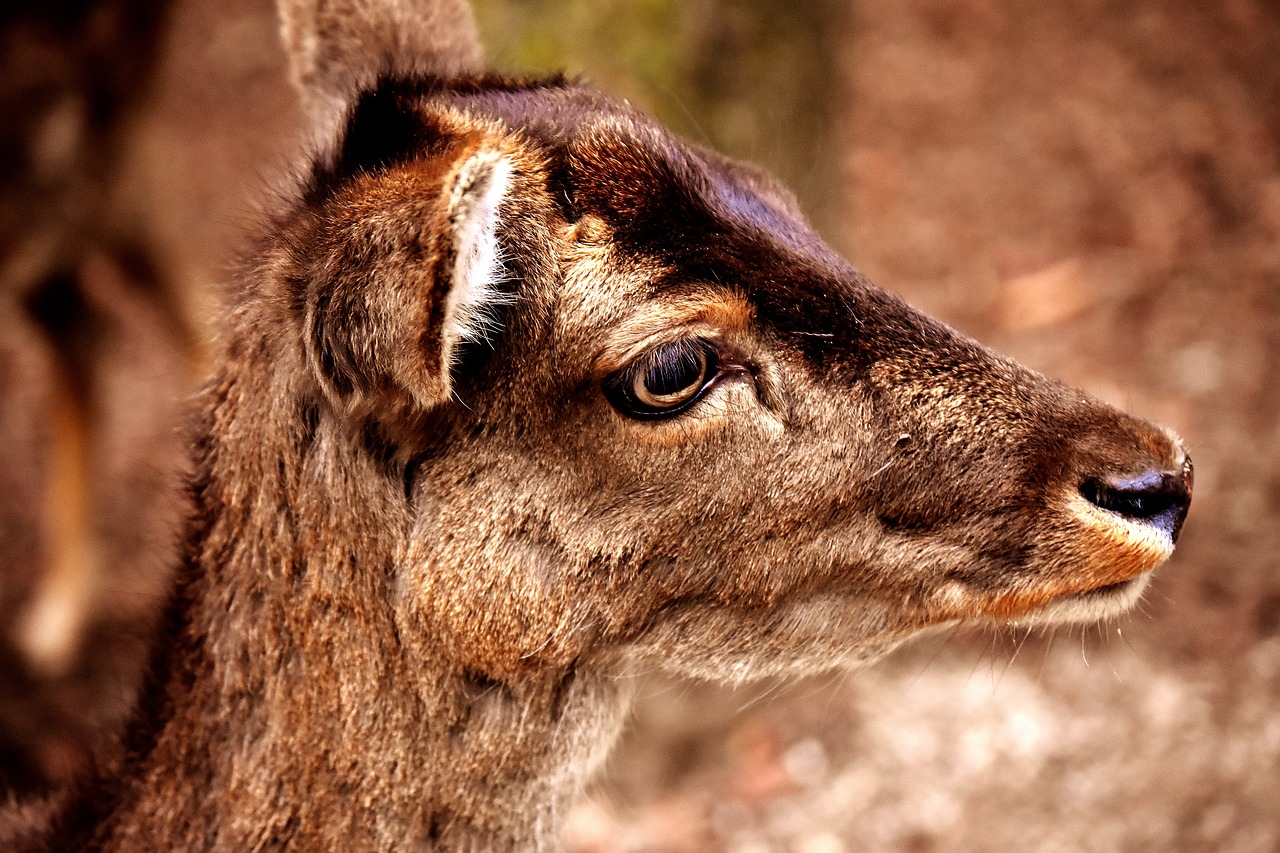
(752,78)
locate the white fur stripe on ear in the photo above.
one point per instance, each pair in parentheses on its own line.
(476,198)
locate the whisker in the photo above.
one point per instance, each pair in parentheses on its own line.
(938,649)
(1016,650)
(1044,659)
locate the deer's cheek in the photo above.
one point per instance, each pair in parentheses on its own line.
(500,618)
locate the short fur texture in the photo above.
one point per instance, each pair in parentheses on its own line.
(414,586)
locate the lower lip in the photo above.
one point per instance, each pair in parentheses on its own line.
(1103,591)
(1093,605)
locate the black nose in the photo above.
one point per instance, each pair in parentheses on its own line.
(1158,498)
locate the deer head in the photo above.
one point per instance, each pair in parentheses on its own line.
(642,411)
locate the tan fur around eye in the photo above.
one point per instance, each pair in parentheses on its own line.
(713,315)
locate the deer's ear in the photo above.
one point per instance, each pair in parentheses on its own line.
(338,48)
(408,269)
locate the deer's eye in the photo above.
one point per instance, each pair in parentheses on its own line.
(664,381)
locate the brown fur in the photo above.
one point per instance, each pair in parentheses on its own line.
(416,587)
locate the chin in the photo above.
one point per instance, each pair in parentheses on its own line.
(1095,605)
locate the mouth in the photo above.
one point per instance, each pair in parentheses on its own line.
(955,602)
(1098,564)
(1094,605)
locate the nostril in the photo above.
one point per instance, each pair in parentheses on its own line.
(1159,498)
(1140,499)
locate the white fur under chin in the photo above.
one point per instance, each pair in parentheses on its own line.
(1096,606)
(474,296)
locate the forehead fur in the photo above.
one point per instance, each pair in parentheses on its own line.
(688,211)
(604,159)
(666,204)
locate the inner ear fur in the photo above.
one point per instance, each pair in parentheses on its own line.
(407,269)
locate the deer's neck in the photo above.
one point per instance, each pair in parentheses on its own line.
(292,706)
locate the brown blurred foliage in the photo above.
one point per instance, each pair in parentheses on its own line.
(1092,187)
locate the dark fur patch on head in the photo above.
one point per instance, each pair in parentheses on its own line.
(386,126)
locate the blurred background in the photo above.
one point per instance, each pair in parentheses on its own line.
(1091,187)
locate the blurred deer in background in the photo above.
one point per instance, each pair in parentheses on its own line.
(522,395)
(94,351)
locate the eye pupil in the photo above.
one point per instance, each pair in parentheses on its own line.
(665,381)
(673,375)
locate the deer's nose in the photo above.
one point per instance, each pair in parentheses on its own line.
(1158,498)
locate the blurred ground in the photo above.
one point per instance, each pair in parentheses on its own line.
(1092,187)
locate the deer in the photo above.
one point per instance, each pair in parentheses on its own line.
(95,350)
(520,395)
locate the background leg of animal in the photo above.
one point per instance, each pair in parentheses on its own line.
(51,628)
